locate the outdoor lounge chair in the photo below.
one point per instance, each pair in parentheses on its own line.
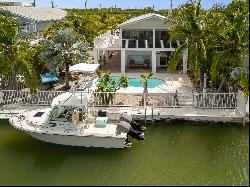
(49,78)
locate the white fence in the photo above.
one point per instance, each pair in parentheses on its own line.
(165,100)
(215,100)
(42,98)
(115,99)
(6,82)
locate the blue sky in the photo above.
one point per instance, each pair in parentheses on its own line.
(158,4)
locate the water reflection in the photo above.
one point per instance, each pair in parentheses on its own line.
(174,153)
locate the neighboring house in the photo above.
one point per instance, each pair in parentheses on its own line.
(35,19)
(142,41)
(7,3)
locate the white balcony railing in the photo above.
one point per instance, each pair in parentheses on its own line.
(106,42)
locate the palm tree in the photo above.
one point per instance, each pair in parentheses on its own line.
(216,39)
(188,27)
(65,47)
(85,4)
(108,84)
(144,80)
(231,42)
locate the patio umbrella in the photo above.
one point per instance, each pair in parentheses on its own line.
(84,68)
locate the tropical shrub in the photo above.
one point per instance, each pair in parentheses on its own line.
(64,47)
(108,84)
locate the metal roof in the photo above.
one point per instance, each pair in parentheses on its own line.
(36,13)
(142,17)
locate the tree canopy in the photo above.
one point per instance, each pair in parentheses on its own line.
(15,53)
(64,47)
(216,39)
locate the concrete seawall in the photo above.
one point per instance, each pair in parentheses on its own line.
(161,114)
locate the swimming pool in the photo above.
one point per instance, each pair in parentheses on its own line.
(135,82)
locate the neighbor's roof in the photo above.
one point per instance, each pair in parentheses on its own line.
(140,18)
(36,13)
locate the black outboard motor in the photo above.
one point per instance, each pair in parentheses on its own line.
(125,127)
(129,119)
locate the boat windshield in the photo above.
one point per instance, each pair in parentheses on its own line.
(57,112)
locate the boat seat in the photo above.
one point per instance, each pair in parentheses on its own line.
(101,121)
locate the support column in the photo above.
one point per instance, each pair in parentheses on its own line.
(154,61)
(1,96)
(120,38)
(184,60)
(106,52)
(153,38)
(95,56)
(123,61)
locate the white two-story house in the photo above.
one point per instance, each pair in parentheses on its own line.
(142,43)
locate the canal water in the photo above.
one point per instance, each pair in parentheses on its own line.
(174,153)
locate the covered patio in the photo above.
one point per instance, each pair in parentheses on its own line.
(112,63)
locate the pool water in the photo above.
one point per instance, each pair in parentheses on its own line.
(135,82)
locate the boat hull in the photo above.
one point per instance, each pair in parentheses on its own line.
(85,141)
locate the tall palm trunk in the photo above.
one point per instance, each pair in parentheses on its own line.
(200,78)
(67,75)
(221,84)
(13,71)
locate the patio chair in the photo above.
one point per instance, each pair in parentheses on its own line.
(73,77)
(146,64)
(132,64)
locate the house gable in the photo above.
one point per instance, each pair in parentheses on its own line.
(148,21)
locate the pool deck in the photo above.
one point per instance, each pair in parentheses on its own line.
(173,82)
(164,114)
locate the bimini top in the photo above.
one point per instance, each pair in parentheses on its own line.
(140,18)
(84,68)
(36,13)
(69,99)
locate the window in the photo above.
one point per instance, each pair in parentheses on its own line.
(164,58)
(24,28)
(137,38)
(162,39)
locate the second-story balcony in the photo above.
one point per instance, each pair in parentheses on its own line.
(107,40)
(135,40)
